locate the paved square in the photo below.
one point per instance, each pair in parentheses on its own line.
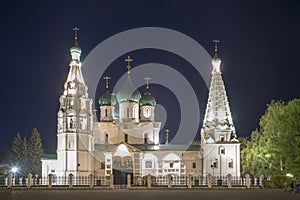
(253,194)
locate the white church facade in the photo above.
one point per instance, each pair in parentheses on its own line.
(126,141)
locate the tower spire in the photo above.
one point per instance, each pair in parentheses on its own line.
(128,60)
(216,61)
(75,49)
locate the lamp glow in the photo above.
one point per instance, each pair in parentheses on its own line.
(14,169)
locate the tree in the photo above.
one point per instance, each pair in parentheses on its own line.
(16,150)
(275,148)
(35,152)
(25,157)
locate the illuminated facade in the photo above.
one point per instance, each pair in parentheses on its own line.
(126,141)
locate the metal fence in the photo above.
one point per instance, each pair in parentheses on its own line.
(156,181)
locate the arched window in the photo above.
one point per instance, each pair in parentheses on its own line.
(83,122)
(127,112)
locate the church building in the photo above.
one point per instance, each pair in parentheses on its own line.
(126,141)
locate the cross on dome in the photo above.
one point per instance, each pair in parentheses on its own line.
(147,79)
(128,60)
(167,136)
(75,29)
(216,44)
(106,78)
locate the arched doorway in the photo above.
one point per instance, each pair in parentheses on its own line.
(122,166)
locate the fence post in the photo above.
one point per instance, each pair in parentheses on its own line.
(138,178)
(190,181)
(111,183)
(50,180)
(71,180)
(229,181)
(29,179)
(91,180)
(209,180)
(247,180)
(149,181)
(9,181)
(261,181)
(128,181)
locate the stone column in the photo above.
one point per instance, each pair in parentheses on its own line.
(128,181)
(209,180)
(111,184)
(261,181)
(189,181)
(9,181)
(149,181)
(247,180)
(91,180)
(169,181)
(229,181)
(50,176)
(29,180)
(71,180)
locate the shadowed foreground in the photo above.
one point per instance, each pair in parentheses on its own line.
(147,194)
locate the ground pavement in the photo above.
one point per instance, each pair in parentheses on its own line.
(208,194)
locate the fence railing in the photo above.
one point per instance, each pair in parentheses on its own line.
(168,181)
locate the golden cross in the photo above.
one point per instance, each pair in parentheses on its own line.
(75,29)
(216,44)
(128,60)
(147,79)
(167,136)
(106,78)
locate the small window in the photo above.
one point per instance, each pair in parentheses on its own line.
(52,170)
(222,150)
(171,165)
(70,144)
(214,164)
(106,138)
(145,138)
(102,165)
(194,165)
(148,164)
(222,138)
(126,138)
(127,112)
(230,164)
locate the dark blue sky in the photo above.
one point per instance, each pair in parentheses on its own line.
(259,48)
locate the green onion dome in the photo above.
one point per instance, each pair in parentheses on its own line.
(105,99)
(75,47)
(128,92)
(147,100)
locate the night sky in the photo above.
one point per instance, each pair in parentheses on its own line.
(259,49)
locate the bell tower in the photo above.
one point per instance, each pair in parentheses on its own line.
(221,149)
(74,120)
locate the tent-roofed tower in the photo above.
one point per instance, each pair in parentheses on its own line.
(75,120)
(221,150)
(218,124)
